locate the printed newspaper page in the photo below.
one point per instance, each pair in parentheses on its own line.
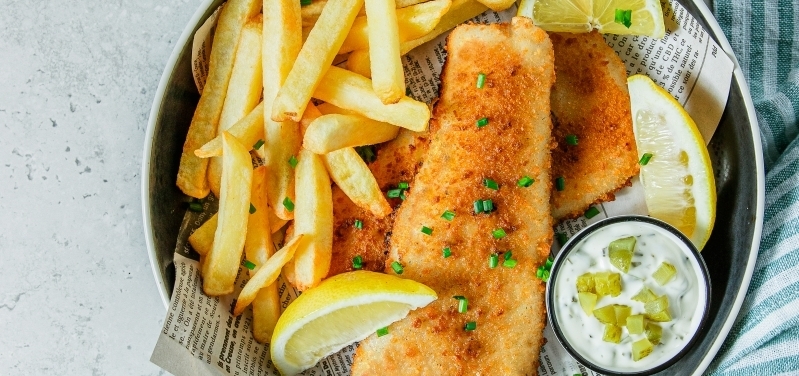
(200,335)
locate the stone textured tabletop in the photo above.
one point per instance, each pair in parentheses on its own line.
(77,80)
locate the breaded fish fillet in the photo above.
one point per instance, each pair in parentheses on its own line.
(506,304)
(590,100)
(397,161)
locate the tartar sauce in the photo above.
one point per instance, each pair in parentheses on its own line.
(686,292)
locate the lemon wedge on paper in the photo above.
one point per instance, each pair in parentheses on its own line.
(644,17)
(341,310)
(678,178)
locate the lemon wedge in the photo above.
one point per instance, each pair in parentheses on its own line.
(678,179)
(645,17)
(341,310)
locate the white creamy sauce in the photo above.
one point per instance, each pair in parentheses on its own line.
(686,293)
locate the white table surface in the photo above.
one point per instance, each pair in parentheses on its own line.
(77,79)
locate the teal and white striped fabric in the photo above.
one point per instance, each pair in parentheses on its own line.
(765,37)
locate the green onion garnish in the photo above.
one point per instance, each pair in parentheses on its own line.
(624,17)
(357,262)
(258,144)
(488,206)
(481,80)
(525,182)
(471,325)
(509,263)
(288,204)
(490,184)
(367,153)
(196,207)
(560,183)
(293,162)
(358,224)
(249,265)
(493,260)
(645,159)
(446,252)
(540,272)
(427,230)
(448,215)
(571,139)
(402,196)
(545,276)
(508,255)
(397,267)
(403,185)
(548,264)
(459,297)
(591,212)
(463,305)
(478,206)
(482,122)
(384,330)
(498,233)
(394,193)
(252,208)
(562,238)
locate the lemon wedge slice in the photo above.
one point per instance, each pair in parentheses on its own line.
(645,17)
(678,178)
(341,310)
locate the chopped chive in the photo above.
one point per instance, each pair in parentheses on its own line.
(560,183)
(288,204)
(403,185)
(252,208)
(402,196)
(488,206)
(478,206)
(548,264)
(490,184)
(645,159)
(525,182)
(591,212)
(446,252)
(562,238)
(624,17)
(397,267)
(393,193)
(448,215)
(367,153)
(482,122)
(509,263)
(571,139)
(427,230)
(481,80)
(357,262)
(384,330)
(459,297)
(508,255)
(493,260)
(498,233)
(358,224)
(540,272)
(463,305)
(293,162)
(258,144)
(545,276)
(249,265)
(471,325)
(196,207)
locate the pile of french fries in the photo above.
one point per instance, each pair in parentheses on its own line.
(264,70)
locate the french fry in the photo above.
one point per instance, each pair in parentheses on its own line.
(248,131)
(243,91)
(222,263)
(276,223)
(282,41)
(315,57)
(266,274)
(313,217)
(352,91)
(358,62)
(288,269)
(202,239)
(258,248)
(335,131)
(388,77)
(354,178)
(414,22)
(327,109)
(497,5)
(311,12)
(192,171)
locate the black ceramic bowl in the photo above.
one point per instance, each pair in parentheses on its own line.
(557,322)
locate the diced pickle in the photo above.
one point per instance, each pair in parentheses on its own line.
(587,301)
(665,273)
(645,295)
(656,305)
(641,349)
(635,324)
(606,315)
(585,283)
(622,311)
(653,333)
(620,252)
(612,333)
(607,283)
(662,316)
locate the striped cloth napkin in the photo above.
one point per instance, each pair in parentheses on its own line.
(765,337)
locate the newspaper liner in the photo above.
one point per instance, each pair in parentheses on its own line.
(200,335)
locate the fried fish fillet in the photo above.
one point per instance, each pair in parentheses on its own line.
(590,101)
(506,304)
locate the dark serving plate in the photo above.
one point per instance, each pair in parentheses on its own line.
(735,151)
